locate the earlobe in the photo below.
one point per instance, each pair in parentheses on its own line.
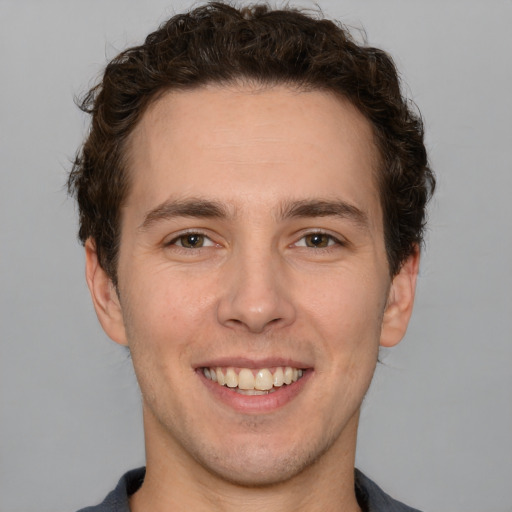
(104,296)
(400,302)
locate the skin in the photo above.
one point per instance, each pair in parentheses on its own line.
(256,289)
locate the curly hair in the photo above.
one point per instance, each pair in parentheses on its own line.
(218,43)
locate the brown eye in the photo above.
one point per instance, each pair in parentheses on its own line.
(191,241)
(318,240)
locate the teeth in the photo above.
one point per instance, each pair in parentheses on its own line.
(220,377)
(231,378)
(279,377)
(253,392)
(245,379)
(253,382)
(263,380)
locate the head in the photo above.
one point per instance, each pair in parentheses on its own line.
(252,198)
(219,44)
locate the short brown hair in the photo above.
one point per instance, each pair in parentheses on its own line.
(218,43)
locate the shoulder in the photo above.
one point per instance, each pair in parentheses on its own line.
(372,498)
(117,500)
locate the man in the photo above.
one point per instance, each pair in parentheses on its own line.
(252,198)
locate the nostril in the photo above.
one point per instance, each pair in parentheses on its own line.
(253,325)
(254,306)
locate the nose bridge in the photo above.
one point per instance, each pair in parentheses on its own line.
(254,297)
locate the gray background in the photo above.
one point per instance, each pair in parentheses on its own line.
(436,427)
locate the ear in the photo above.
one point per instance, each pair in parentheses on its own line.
(400,302)
(104,295)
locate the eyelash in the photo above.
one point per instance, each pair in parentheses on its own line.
(331,240)
(174,241)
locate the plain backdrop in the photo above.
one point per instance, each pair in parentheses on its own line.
(436,428)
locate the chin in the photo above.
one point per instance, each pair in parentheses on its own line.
(262,466)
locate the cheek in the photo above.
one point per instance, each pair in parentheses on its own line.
(166,317)
(160,330)
(346,317)
(163,300)
(346,307)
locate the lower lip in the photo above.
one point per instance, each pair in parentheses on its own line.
(256,404)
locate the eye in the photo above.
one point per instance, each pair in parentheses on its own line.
(317,241)
(192,241)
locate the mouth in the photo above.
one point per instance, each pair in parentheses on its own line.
(253,381)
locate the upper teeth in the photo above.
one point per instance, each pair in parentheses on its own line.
(263,379)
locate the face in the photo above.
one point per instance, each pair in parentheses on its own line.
(252,252)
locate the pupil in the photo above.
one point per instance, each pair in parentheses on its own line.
(193,240)
(317,240)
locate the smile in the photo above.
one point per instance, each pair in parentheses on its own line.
(248,381)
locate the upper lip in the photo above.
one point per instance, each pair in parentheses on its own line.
(245,362)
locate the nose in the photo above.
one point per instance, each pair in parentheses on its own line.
(255,296)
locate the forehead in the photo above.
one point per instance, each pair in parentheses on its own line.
(244,145)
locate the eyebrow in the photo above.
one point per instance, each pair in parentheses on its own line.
(316,208)
(203,208)
(192,207)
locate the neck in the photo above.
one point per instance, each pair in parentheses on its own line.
(175,481)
